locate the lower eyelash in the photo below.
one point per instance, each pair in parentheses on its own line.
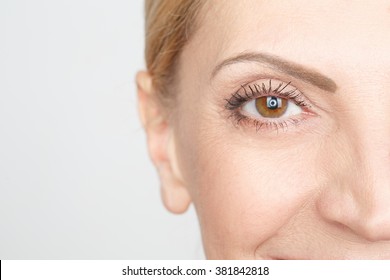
(242,120)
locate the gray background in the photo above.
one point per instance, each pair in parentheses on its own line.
(75,178)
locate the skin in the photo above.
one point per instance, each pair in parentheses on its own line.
(316,190)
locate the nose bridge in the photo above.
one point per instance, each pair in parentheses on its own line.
(371,133)
(369,189)
(369,140)
(373,187)
(358,195)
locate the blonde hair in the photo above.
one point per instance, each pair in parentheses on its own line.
(168,27)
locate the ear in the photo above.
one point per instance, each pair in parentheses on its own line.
(161,146)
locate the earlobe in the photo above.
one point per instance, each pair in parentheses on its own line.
(173,193)
(161,146)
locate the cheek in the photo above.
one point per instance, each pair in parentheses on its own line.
(243,189)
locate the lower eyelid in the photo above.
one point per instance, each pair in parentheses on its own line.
(264,125)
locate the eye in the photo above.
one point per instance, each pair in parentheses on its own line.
(271,107)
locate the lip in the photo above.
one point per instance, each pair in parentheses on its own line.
(281,258)
(277,258)
(287,258)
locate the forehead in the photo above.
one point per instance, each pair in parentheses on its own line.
(325,31)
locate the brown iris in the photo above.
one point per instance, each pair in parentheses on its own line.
(271,106)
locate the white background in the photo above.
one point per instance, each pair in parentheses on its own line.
(75,178)
(113,270)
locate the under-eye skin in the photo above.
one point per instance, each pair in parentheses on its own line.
(268,105)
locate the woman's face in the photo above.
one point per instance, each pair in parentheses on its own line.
(282,128)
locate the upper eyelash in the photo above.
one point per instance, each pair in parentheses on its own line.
(254,90)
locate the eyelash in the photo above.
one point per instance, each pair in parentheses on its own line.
(252,91)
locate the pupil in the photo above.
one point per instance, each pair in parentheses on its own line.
(273,103)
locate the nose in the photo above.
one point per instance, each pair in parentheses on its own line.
(356,184)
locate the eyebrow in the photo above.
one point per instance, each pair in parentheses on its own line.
(291,68)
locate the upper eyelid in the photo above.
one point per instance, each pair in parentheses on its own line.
(247,93)
(278,90)
(256,89)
